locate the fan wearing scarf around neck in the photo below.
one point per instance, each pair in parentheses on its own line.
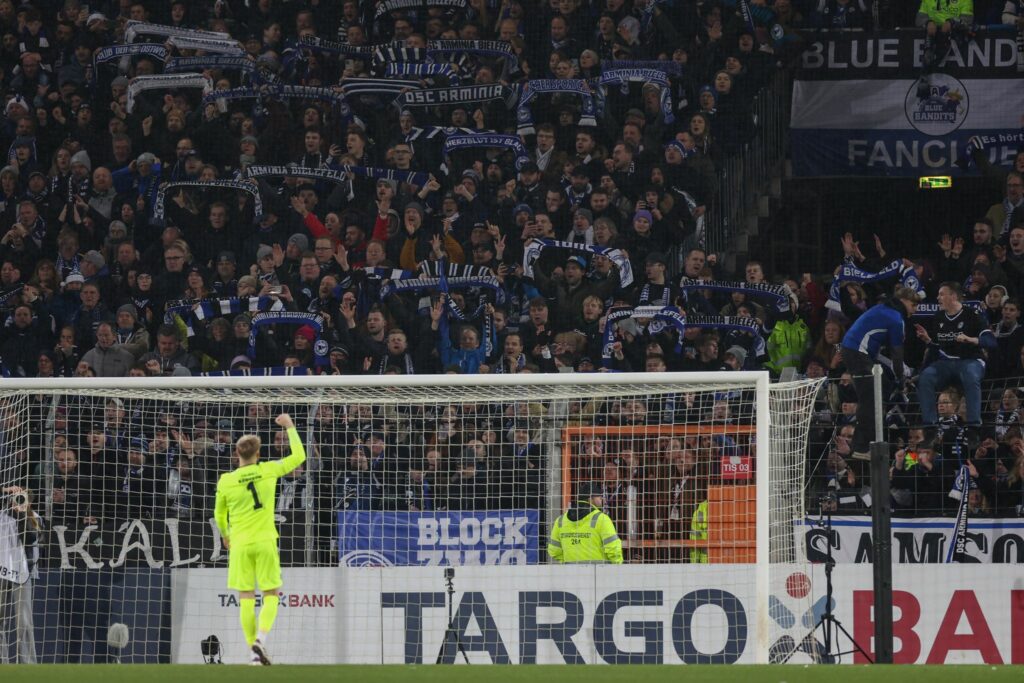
(471,353)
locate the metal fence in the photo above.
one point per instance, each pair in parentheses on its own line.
(743,176)
(831,469)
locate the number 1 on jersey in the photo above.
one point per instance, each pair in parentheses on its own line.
(256,504)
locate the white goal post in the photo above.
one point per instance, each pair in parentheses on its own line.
(702,475)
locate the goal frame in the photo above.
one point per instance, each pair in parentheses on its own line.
(761,430)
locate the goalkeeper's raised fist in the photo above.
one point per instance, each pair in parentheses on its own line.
(284,420)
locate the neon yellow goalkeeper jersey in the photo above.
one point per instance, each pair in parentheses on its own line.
(245,497)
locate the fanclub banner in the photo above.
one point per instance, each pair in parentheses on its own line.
(916,541)
(402,539)
(862,107)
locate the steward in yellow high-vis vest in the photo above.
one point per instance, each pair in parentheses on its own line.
(584,533)
(699,532)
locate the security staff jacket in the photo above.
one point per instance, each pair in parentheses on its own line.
(584,534)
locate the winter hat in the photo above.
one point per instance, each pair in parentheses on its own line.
(415,206)
(130,310)
(95,258)
(16,101)
(739,353)
(644,213)
(679,146)
(306,332)
(264,252)
(299,240)
(82,157)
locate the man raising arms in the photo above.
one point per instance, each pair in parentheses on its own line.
(246,498)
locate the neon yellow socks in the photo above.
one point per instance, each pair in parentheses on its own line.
(248,617)
(268,613)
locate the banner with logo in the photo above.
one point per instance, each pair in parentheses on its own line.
(401,539)
(916,541)
(306,630)
(862,106)
(678,614)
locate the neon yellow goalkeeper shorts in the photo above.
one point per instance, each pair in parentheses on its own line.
(254,564)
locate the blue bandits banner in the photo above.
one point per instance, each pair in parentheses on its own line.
(404,539)
(861,107)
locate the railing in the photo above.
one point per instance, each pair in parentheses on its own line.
(743,176)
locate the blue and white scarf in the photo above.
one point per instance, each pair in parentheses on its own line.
(378,86)
(220,62)
(957,551)
(535,247)
(268,170)
(778,294)
(426,284)
(453,311)
(116,52)
(379,273)
(314,320)
(851,273)
(666,66)
(410,177)
(463,141)
(279,91)
(423,70)
(624,77)
(165,82)
(671,316)
(243,185)
(134,29)
(464,94)
(487,48)
(431,132)
(569,86)
(233,305)
(209,45)
(361,52)
(278,371)
(397,5)
(190,310)
(398,52)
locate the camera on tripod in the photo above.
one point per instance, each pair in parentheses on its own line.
(19,499)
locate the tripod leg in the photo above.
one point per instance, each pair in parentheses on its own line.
(856,645)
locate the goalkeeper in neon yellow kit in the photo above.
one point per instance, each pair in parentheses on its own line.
(245,517)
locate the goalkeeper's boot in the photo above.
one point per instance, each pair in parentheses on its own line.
(254,660)
(260,651)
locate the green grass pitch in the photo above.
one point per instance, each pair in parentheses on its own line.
(514,674)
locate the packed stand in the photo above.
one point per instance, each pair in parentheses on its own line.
(518,211)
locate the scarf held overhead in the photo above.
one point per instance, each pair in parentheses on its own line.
(464,141)
(535,247)
(314,320)
(851,273)
(463,94)
(565,86)
(165,82)
(243,185)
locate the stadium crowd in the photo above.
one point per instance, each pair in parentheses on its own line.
(464,187)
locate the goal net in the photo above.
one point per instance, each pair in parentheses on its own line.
(418,529)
